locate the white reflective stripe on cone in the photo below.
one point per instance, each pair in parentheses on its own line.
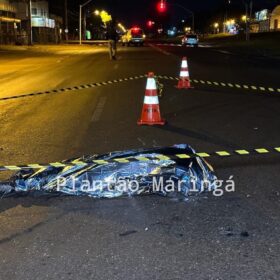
(151,84)
(151,100)
(184,64)
(184,74)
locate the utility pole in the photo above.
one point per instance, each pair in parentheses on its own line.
(227,4)
(66,30)
(85,25)
(29,25)
(249,13)
(80,19)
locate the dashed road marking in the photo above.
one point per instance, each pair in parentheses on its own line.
(99,109)
(159,49)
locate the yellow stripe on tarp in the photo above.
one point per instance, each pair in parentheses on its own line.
(162,157)
(242,152)
(183,156)
(277,149)
(78,162)
(35,166)
(142,158)
(100,161)
(223,153)
(58,164)
(121,160)
(262,151)
(203,155)
(12,167)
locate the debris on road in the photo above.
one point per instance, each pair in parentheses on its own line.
(134,172)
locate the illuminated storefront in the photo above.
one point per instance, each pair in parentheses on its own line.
(275,19)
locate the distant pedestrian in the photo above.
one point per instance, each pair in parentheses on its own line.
(112,37)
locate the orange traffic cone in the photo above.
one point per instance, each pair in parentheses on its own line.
(151,111)
(184,81)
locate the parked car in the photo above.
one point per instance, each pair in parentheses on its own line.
(190,40)
(133,36)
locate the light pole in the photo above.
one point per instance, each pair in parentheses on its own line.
(249,10)
(30,35)
(66,20)
(80,20)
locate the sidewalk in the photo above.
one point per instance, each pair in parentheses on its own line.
(262,45)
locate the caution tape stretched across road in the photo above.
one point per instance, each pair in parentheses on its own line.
(80,162)
(75,88)
(263,89)
(259,89)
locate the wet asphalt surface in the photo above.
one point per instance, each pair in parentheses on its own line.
(235,236)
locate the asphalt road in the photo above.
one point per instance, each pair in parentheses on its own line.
(235,236)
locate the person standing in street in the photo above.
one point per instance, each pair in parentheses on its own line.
(112,37)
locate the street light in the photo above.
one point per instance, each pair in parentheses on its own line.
(216,27)
(244,18)
(122,27)
(80,20)
(249,10)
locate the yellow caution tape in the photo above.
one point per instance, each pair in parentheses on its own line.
(80,163)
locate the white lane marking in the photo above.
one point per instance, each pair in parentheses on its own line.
(224,52)
(99,109)
(169,45)
(159,49)
(205,46)
(180,45)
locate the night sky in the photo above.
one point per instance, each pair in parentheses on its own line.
(138,11)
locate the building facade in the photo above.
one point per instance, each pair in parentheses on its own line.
(15,22)
(45,29)
(275,19)
(9,23)
(266,21)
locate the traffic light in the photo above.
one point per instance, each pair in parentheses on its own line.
(161,6)
(150,23)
